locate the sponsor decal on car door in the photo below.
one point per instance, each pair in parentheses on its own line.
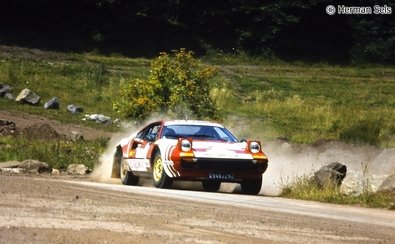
(139,162)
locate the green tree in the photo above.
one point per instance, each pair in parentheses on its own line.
(178,85)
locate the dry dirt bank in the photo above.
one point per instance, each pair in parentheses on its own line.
(23,120)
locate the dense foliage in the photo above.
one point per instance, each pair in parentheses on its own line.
(292,30)
(177,86)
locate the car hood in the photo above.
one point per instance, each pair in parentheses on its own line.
(207,149)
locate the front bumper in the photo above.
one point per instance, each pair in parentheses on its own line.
(227,170)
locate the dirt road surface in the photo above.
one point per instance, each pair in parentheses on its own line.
(48,209)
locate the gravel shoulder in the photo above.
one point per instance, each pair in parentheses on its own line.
(45,209)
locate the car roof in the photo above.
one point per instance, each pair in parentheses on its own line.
(191,122)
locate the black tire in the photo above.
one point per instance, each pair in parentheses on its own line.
(159,176)
(251,186)
(127,177)
(211,186)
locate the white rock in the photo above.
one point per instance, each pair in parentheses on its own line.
(77,169)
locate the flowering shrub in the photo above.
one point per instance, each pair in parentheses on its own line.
(178,85)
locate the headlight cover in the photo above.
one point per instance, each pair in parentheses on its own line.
(255,147)
(186,145)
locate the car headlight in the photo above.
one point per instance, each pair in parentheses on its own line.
(186,145)
(255,147)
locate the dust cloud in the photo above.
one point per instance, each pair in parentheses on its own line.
(102,171)
(367,166)
(288,162)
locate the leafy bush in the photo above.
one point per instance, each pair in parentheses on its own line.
(177,85)
(137,98)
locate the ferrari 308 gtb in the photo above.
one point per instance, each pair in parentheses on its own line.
(190,150)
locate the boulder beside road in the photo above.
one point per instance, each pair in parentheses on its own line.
(388,184)
(4,88)
(77,169)
(26,166)
(76,136)
(330,175)
(5,91)
(75,109)
(53,103)
(99,118)
(27,96)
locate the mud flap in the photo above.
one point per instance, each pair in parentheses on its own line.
(116,164)
(115,170)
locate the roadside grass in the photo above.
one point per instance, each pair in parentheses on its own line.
(307,103)
(56,153)
(305,189)
(81,80)
(301,102)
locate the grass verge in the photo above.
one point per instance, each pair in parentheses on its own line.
(56,153)
(305,189)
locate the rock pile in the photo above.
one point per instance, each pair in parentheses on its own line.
(38,167)
(27,166)
(29,97)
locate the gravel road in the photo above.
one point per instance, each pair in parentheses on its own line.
(44,209)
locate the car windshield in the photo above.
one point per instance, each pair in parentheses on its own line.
(202,132)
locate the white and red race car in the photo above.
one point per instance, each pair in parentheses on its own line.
(190,150)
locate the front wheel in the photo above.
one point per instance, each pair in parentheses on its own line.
(127,177)
(159,176)
(251,186)
(211,186)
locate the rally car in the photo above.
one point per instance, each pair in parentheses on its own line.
(189,150)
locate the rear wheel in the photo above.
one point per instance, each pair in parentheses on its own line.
(127,177)
(211,186)
(251,186)
(159,176)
